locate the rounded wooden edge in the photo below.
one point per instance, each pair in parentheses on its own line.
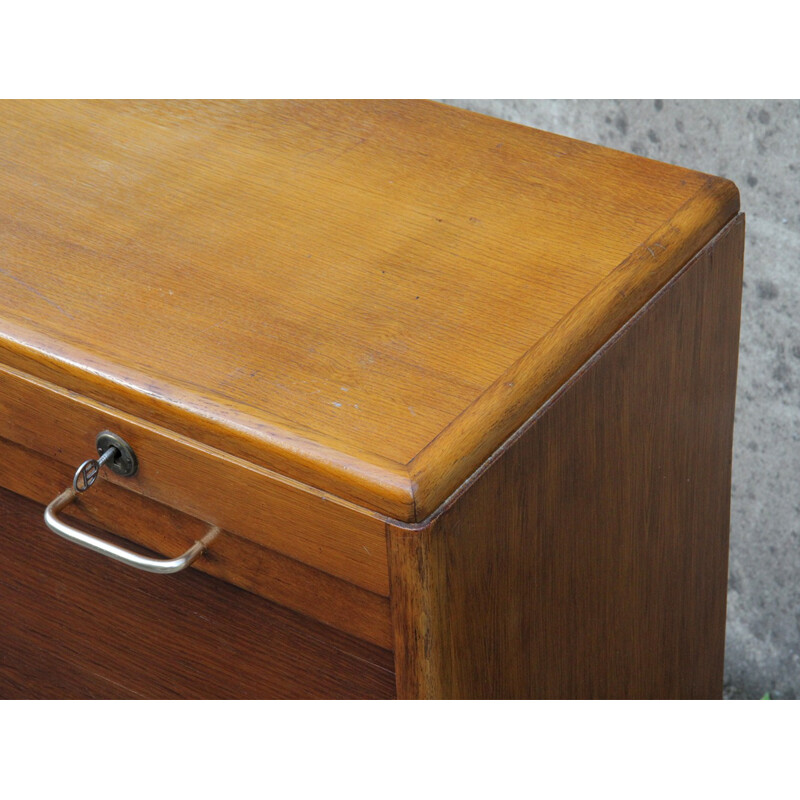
(457,452)
(412,493)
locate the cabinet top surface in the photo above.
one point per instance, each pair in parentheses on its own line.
(368,297)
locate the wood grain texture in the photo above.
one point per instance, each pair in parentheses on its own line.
(254,503)
(164,530)
(439,469)
(589,558)
(366,297)
(75,626)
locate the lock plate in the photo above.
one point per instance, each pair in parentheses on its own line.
(125,462)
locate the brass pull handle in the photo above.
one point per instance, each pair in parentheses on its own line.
(84,478)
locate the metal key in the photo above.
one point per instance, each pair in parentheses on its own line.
(87,473)
(115,452)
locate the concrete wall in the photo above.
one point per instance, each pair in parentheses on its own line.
(757,145)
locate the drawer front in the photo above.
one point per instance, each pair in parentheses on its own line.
(169,532)
(207,484)
(76,625)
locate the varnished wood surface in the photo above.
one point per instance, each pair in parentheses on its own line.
(589,560)
(75,626)
(367,297)
(439,469)
(256,504)
(168,532)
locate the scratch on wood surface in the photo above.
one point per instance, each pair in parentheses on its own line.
(36,292)
(213,325)
(344,152)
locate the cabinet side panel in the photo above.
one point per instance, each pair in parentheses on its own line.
(589,560)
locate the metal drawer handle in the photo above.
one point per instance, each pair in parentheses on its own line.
(113,449)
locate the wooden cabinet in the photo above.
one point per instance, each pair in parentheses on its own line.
(452,397)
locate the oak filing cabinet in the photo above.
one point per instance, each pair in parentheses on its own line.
(435,405)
